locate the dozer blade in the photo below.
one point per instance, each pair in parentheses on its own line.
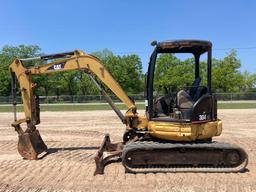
(30,145)
(107,153)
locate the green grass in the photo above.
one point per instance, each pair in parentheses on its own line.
(236,105)
(69,107)
(92,107)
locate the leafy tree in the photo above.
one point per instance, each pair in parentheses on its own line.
(21,51)
(69,80)
(127,70)
(173,74)
(103,55)
(86,86)
(226,75)
(7,56)
(249,81)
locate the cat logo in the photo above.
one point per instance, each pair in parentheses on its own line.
(56,66)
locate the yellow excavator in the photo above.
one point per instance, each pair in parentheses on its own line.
(175,133)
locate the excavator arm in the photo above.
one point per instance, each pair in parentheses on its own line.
(30,143)
(78,61)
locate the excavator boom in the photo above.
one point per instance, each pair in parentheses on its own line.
(30,143)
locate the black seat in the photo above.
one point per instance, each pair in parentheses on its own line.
(163,105)
(186,99)
(202,90)
(194,87)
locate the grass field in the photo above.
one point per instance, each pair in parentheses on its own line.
(91,107)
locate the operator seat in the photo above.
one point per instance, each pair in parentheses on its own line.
(186,99)
(163,105)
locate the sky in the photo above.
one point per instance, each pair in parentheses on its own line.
(127,27)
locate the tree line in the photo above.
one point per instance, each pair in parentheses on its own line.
(127,70)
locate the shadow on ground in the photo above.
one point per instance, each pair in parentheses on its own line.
(58,149)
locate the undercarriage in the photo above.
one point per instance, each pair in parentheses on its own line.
(153,156)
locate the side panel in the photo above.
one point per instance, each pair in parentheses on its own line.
(203,109)
(184,132)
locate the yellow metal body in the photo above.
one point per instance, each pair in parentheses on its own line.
(184,132)
(90,64)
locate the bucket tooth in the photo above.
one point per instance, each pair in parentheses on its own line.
(30,145)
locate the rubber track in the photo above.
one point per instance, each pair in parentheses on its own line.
(150,145)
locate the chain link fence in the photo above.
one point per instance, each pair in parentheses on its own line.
(138,98)
(70,99)
(236,96)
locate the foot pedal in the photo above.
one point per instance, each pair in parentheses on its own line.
(30,145)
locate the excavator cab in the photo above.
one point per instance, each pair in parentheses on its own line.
(195,103)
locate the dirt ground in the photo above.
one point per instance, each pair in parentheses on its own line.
(74,137)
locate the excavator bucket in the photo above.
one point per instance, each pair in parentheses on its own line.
(30,145)
(107,153)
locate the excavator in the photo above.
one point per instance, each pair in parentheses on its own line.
(175,133)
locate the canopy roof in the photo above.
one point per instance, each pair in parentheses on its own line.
(184,46)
